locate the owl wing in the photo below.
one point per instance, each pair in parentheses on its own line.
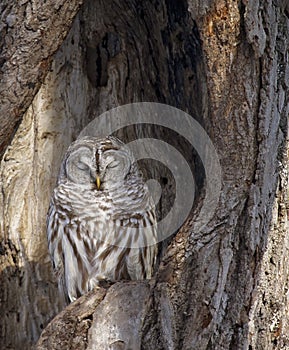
(66,247)
(125,251)
(140,244)
(54,237)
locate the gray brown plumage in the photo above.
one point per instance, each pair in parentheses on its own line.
(101,222)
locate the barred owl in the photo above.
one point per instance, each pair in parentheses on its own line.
(101,222)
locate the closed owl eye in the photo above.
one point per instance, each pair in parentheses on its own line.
(112,165)
(82,166)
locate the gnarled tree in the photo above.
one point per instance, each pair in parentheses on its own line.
(225,63)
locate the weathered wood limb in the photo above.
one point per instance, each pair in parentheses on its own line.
(30,33)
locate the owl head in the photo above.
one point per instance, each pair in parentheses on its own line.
(97,163)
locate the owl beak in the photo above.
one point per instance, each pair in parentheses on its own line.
(98,182)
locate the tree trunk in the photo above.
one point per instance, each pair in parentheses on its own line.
(220,286)
(30,32)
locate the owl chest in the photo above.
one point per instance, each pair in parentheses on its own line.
(93,213)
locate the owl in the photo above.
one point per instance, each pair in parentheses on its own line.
(101,223)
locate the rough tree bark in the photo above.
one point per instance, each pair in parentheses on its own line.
(30,32)
(222,287)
